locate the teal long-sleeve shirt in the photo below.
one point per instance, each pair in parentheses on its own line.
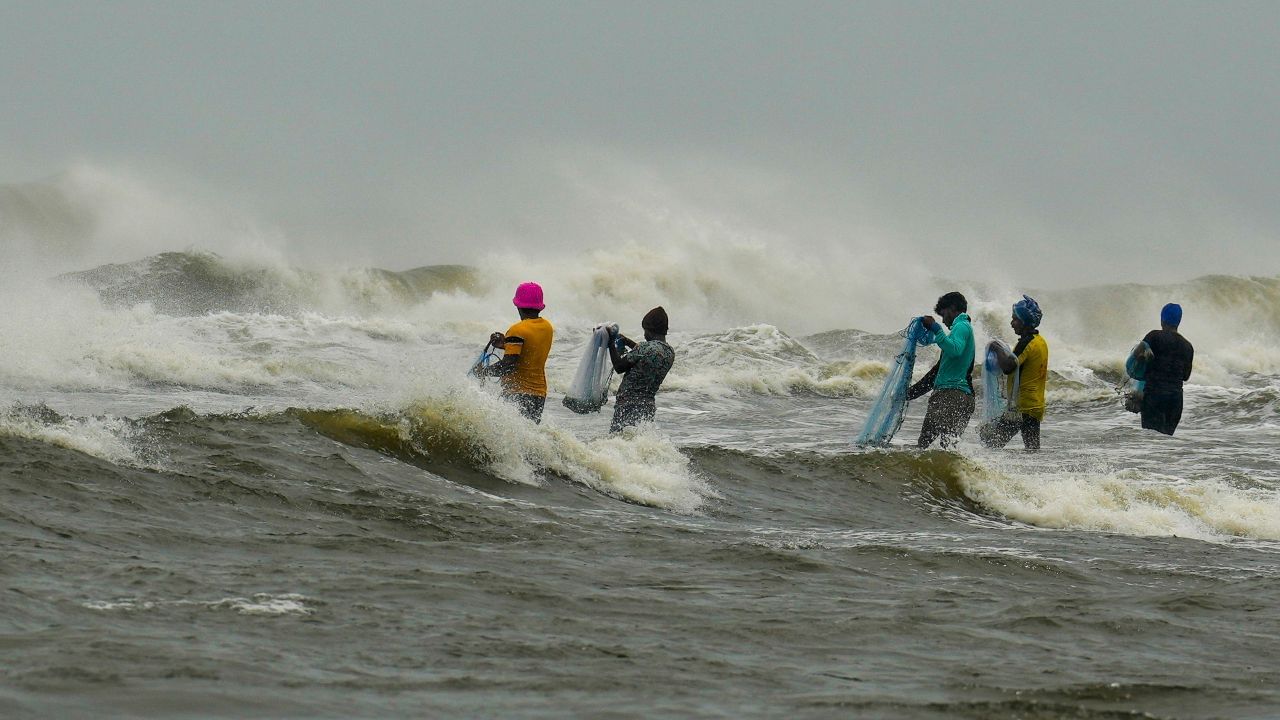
(957,355)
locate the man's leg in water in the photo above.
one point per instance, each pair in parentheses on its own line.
(961,409)
(1030,433)
(998,432)
(947,417)
(1162,411)
(530,405)
(930,428)
(628,413)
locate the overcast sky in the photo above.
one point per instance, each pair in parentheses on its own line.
(1095,141)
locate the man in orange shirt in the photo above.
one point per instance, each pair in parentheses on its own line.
(523,367)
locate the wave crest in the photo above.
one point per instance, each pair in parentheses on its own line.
(468,429)
(197,283)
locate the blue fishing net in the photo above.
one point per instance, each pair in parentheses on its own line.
(995,401)
(1135,367)
(488,356)
(590,388)
(890,406)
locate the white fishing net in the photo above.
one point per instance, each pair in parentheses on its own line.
(590,388)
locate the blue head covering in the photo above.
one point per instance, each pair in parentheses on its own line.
(1028,311)
(1171,314)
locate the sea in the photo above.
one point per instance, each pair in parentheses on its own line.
(236,487)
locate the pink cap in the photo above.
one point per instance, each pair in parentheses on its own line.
(529,296)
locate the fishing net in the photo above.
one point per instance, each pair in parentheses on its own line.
(590,388)
(995,401)
(1135,367)
(488,356)
(887,412)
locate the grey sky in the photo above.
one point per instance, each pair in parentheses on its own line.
(1098,137)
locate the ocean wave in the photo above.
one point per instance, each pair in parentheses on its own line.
(709,276)
(196,283)
(709,272)
(260,604)
(116,440)
(89,347)
(883,469)
(997,490)
(832,380)
(468,428)
(763,360)
(1129,501)
(1237,408)
(453,433)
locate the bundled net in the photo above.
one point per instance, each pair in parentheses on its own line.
(1135,368)
(887,412)
(590,388)
(995,401)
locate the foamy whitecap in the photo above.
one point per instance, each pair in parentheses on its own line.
(261,604)
(112,439)
(641,465)
(233,352)
(1130,501)
(841,380)
(267,604)
(763,360)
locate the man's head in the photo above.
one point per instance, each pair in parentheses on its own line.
(950,306)
(1026,315)
(655,323)
(1171,316)
(528,299)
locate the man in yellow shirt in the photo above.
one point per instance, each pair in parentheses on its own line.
(1028,370)
(523,367)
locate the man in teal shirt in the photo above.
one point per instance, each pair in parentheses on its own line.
(951,380)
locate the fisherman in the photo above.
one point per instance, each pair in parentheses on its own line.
(1168,367)
(645,365)
(1028,370)
(523,367)
(951,380)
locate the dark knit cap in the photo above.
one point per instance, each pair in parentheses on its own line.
(655,321)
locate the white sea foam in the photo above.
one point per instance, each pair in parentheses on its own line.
(260,604)
(108,438)
(1129,501)
(734,294)
(641,465)
(70,341)
(761,359)
(267,604)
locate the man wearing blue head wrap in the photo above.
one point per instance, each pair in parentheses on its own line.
(1168,367)
(1028,370)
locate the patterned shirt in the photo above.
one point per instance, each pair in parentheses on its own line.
(653,359)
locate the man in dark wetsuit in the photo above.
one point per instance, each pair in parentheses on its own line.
(951,380)
(1168,366)
(645,365)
